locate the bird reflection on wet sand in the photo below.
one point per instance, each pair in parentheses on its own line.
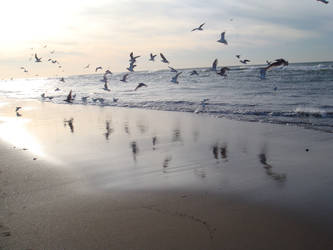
(176,136)
(268,168)
(223,150)
(215,149)
(70,124)
(142,128)
(154,140)
(109,130)
(135,149)
(126,128)
(166,162)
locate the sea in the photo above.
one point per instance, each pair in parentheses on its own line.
(300,94)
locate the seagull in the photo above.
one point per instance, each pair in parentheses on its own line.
(131,67)
(37,60)
(141,84)
(99,67)
(174,79)
(108,72)
(278,62)
(172,69)
(115,99)
(323,1)
(214,65)
(152,57)
(194,72)
(199,28)
(57,89)
(69,97)
(84,98)
(101,100)
(222,39)
(54,61)
(223,71)
(62,79)
(17,109)
(124,79)
(238,56)
(133,58)
(245,61)
(164,60)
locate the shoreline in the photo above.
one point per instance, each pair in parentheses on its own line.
(99,186)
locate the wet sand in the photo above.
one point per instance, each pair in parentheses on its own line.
(83,177)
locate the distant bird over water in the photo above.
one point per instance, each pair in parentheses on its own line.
(214,65)
(173,69)
(141,84)
(222,39)
(37,59)
(164,60)
(124,79)
(98,68)
(278,62)
(152,57)
(175,78)
(198,28)
(323,1)
(245,61)
(223,71)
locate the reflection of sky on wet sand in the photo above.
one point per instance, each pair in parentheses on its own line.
(115,148)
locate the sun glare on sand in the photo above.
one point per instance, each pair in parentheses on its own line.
(13,131)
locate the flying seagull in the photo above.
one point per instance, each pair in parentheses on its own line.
(238,56)
(108,72)
(214,65)
(98,68)
(245,61)
(223,70)
(131,67)
(69,97)
(222,39)
(323,1)
(124,79)
(133,58)
(173,69)
(141,84)
(278,62)
(37,59)
(175,78)
(164,60)
(152,57)
(199,28)
(194,72)
(17,109)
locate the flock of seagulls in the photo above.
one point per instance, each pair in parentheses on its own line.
(133,63)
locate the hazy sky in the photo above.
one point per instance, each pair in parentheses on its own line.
(104,32)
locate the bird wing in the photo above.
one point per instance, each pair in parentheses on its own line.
(214,64)
(200,27)
(162,56)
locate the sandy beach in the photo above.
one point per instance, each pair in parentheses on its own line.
(89,177)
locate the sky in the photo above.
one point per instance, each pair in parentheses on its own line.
(104,32)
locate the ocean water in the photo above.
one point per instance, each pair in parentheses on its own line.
(299,95)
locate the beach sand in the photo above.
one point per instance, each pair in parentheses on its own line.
(86,177)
